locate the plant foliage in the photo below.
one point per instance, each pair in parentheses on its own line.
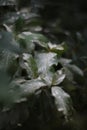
(39,87)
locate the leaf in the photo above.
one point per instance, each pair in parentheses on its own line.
(62,101)
(45,61)
(8,62)
(8,43)
(75,69)
(17,91)
(31,86)
(30,40)
(68,73)
(58,78)
(69,86)
(64,61)
(36,36)
(19,23)
(47,78)
(55,48)
(52,79)
(30,65)
(9,93)
(26,43)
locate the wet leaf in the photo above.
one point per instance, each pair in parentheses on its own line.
(31,86)
(62,101)
(58,78)
(30,65)
(52,79)
(55,48)
(45,61)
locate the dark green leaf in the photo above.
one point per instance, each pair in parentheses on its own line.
(8,43)
(75,69)
(8,62)
(26,42)
(33,39)
(65,61)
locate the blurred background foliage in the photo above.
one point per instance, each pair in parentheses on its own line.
(60,21)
